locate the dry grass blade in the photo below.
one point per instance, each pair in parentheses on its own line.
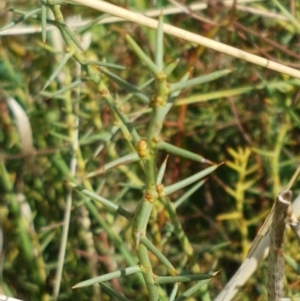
(188,36)
(22,124)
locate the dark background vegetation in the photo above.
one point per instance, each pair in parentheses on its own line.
(263,122)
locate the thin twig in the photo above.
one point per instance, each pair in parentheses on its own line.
(238,121)
(190,12)
(282,48)
(26,29)
(188,36)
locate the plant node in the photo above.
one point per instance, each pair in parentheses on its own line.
(158,101)
(142,148)
(161,76)
(149,197)
(104,92)
(156,139)
(160,190)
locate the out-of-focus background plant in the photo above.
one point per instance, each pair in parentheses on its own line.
(57,123)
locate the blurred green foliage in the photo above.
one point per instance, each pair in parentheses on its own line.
(253,113)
